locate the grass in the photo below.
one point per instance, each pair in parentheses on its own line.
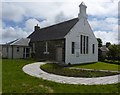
(0,75)
(99,66)
(16,81)
(65,71)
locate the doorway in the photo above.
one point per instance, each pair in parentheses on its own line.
(59,54)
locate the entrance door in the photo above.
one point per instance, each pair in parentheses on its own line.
(59,56)
(26,52)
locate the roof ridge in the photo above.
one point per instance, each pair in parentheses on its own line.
(9,43)
(16,41)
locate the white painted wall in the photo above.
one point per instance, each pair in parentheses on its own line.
(82,27)
(74,36)
(4,52)
(16,54)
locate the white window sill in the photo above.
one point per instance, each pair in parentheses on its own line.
(46,53)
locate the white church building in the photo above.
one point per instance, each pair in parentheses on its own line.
(71,41)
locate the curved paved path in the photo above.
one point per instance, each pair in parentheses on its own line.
(34,70)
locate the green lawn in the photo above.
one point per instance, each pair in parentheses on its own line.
(66,71)
(0,75)
(99,66)
(16,81)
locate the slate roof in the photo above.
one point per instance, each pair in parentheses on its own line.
(20,42)
(54,32)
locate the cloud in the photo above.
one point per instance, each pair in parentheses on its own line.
(60,17)
(30,23)
(102,9)
(12,12)
(103,20)
(108,24)
(11,33)
(107,36)
(106,29)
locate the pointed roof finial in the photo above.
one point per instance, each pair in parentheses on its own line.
(83,3)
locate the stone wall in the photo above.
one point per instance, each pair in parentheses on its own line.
(52,46)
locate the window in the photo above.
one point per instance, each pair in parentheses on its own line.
(87,44)
(84,44)
(81,44)
(73,47)
(93,47)
(84,22)
(7,48)
(46,48)
(84,41)
(27,50)
(17,49)
(33,47)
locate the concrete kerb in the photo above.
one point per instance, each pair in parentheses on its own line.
(34,70)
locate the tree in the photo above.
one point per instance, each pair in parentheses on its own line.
(114,52)
(99,42)
(108,44)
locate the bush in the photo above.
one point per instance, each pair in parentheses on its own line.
(112,61)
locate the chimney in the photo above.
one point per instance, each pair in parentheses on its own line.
(82,11)
(36,28)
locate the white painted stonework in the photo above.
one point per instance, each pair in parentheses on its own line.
(82,27)
(12,52)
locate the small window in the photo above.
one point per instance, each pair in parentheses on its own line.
(87,45)
(7,49)
(33,47)
(46,48)
(81,44)
(73,47)
(93,47)
(84,44)
(84,22)
(17,49)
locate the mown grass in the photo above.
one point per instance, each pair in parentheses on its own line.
(99,66)
(16,81)
(65,71)
(0,75)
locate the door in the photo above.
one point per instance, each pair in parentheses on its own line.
(26,52)
(59,56)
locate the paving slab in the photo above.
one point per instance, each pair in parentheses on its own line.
(34,70)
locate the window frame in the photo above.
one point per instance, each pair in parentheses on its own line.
(84,44)
(73,48)
(18,49)
(46,48)
(93,48)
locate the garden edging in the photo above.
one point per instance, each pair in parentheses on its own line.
(34,70)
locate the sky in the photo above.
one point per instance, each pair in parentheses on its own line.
(19,17)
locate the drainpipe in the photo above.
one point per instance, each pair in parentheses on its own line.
(12,52)
(46,47)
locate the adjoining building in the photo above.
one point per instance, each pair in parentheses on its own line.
(16,49)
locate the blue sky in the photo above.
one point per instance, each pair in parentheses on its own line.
(19,18)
